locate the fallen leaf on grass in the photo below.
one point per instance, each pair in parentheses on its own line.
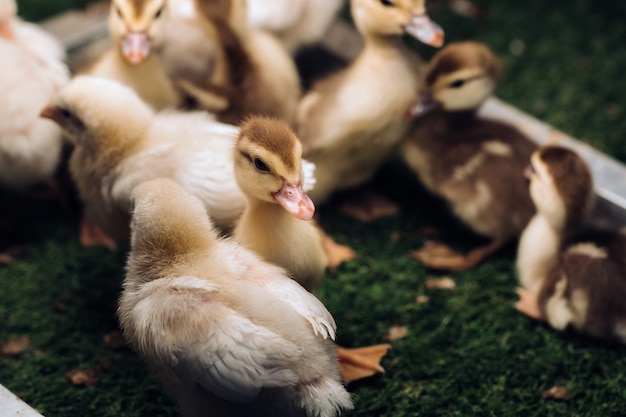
(469,9)
(396,333)
(556,393)
(421,299)
(444,283)
(15,346)
(370,208)
(114,340)
(83,377)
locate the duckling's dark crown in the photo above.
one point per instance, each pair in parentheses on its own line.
(461,55)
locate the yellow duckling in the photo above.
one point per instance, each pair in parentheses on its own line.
(137,29)
(570,277)
(228,334)
(350,122)
(475,164)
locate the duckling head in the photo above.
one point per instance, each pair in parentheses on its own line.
(8,10)
(459,78)
(396,18)
(137,26)
(561,186)
(268,165)
(95,112)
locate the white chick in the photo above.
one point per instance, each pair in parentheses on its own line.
(118,147)
(227,333)
(32,70)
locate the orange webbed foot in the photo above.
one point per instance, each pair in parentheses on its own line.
(528,304)
(92,235)
(359,363)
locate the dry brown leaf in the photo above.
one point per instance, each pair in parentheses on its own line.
(15,346)
(83,377)
(556,393)
(114,340)
(469,9)
(421,299)
(370,208)
(443,283)
(396,333)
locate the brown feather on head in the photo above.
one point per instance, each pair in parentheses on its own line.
(273,135)
(573,181)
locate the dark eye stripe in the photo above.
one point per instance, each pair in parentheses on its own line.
(387,3)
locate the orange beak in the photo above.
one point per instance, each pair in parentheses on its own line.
(425,30)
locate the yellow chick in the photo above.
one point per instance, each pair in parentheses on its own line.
(297,23)
(137,28)
(32,70)
(350,122)
(119,146)
(276,221)
(475,164)
(570,277)
(253,75)
(227,333)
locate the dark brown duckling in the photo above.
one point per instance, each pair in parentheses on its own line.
(473,163)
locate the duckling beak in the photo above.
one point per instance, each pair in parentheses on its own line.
(528,172)
(421,106)
(425,30)
(136,47)
(295,201)
(52,113)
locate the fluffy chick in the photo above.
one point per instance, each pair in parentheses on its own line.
(32,70)
(570,276)
(119,146)
(227,333)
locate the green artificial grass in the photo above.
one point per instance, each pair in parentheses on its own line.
(467,351)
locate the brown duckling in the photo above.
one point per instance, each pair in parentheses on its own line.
(570,276)
(473,163)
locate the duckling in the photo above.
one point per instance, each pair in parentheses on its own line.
(227,333)
(118,147)
(275,224)
(570,277)
(297,23)
(32,70)
(253,74)
(475,164)
(137,28)
(351,121)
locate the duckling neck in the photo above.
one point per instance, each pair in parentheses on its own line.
(382,43)
(538,252)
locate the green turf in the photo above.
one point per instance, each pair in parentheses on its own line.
(467,352)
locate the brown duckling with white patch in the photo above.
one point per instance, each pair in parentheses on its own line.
(570,277)
(473,163)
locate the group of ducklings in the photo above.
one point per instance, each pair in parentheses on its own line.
(218,201)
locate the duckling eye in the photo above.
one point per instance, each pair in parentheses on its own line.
(66,113)
(387,3)
(158,13)
(119,12)
(260,165)
(456,84)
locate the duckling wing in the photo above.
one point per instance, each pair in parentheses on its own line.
(201,339)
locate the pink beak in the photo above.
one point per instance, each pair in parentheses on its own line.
(425,30)
(295,201)
(52,113)
(6,31)
(136,47)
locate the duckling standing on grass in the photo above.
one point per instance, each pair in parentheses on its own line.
(137,29)
(297,23)
(570,277)
(228,334)
(254,74)
(119,146)
(475,164)
(350,122)
(276,222)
